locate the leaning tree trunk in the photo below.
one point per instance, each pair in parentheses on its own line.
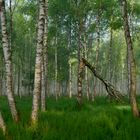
(8,63)
(131,61)
(2,124)
(111,90)
(37,79)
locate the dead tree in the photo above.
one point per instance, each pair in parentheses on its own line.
(111,90)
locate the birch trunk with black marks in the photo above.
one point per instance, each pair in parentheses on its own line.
(39,49)
(131,60)
(8,62)
(44,82)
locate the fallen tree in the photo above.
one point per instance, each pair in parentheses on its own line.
(111,90)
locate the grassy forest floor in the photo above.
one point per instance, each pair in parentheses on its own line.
(63,120)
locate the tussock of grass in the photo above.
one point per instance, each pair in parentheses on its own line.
(99,120)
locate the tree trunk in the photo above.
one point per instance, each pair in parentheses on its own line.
(70,79)
(112,92)
(2,124)
(18,88)
(86,70)
(56,71)
(11,23)
(128,74)
(79,78)
(43,95)
(131,60)
(8,63)
(97,49)
(110,55)
(37,79)
(70,64)
(44,62)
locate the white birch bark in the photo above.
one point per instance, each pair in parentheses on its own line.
(8,63)
(37,79)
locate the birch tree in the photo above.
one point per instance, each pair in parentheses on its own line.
(44,62)
(37,78)
(8,62)
(131,60)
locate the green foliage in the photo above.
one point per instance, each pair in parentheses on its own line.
(97,120)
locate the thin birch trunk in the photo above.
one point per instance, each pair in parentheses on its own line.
(56,71)
(131,60)
(86,70)
(70,64)
(110,55)
(11,23)
(37,79)
(8,63)
(44,62)
(97,51)
(79,79)
(70,79)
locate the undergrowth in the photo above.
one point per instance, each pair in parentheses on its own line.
(99,120)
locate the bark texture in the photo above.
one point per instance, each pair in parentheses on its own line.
(44,82)
(37,79)
(8,63)
(131,60)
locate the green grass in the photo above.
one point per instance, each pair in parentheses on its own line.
(63,120)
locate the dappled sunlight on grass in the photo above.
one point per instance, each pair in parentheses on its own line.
(123,107)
